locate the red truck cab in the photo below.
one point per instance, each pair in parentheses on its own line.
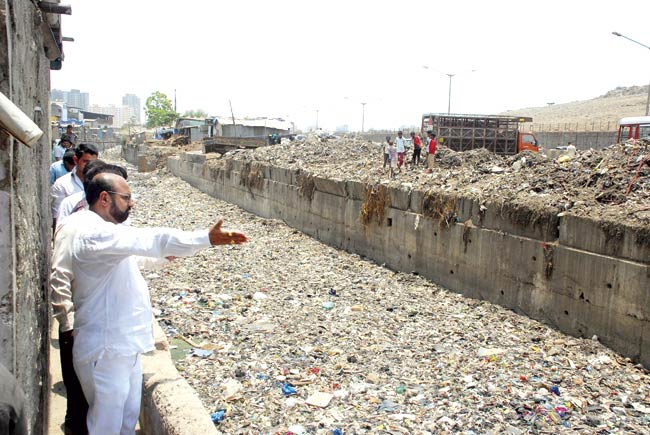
(527,141)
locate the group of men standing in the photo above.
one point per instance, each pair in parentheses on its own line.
(395,151)
(99,297)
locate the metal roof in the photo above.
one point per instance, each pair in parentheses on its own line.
(634,120)
(279,124)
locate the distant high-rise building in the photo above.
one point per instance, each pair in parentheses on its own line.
(73,98)
(57,95)
(76,98)
(132,101)
(121,115)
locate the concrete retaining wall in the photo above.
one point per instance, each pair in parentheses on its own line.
(25,219)
(583,140)
(169,405)
(584,277)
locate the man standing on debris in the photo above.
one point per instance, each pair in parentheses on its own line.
(392,156)
(431,151)
(73,181)
(70,134)
(386,154)
(60,148)
(417,148)
(400,144)
(113,317)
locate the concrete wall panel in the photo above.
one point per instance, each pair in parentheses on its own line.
(606,238)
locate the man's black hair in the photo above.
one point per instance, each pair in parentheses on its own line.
(95,187)
(105,168)
(117,170)
(68,157)
(91,169)
(85,148)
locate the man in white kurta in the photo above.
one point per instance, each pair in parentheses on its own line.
(113,317)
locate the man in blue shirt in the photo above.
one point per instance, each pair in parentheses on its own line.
(62,167)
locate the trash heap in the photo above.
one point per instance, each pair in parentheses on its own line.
(609,184)
(285,335)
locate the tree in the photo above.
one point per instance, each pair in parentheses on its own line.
(199,113)
(159,111)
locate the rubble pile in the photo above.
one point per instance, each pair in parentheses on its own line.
(287,335)
(611,184)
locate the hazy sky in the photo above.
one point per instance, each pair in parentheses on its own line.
(291,59)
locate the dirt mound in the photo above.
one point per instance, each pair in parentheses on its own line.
(613,183)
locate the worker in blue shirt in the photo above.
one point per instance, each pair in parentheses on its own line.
(62,167)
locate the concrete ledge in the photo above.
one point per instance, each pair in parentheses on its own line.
(169,404)
(400,197)
(356,190)
(334,186)
(607,238)
(194,156)
(519,220)
(281,175)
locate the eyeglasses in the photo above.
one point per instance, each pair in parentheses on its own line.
(127,197)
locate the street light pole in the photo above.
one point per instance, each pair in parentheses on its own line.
(450,75)
(449,97)
(316,119)
(647,104)
(363,115)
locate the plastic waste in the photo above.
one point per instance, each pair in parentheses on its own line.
(218,416)
(288,389)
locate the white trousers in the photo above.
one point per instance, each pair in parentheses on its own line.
(113,388)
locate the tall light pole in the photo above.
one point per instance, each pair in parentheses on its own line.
(647,104)
(363,115)
(316,119)
(450,75)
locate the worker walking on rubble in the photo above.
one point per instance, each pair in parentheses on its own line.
(417,148)
(400,143)
(393,158)
(386,154)
(431,150)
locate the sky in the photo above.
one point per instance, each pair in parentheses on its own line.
(310,61)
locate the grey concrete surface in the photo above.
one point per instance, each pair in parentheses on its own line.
(25,220)
(169,405)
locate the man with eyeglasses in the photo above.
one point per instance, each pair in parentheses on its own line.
(113,317)
(61,279)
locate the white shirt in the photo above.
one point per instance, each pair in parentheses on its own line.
(63,187)
(400,143)
(58,151)
(112,307)
(68,204)
(61,275)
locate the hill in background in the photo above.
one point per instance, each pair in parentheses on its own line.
(603,110)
